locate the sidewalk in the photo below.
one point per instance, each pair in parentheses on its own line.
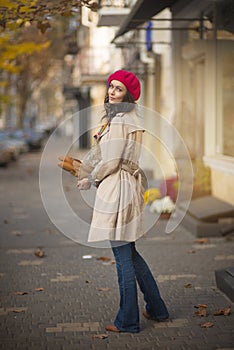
(63,299)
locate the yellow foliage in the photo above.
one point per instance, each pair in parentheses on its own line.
(151,195)
(4,39)
(26,48)
(5,99)
(24,9)
(8,4)
(9,52)
(11,68)
(13,25)
(3,83)
(11,5)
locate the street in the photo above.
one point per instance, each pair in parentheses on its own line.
(59,294)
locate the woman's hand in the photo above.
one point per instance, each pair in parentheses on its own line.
(84,184)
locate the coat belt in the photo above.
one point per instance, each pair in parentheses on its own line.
(130,167)
(134,170)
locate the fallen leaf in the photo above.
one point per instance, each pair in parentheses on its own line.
(103,258)
(39,253)
(188,285)
(103,289)
(21,293)
(223,312)
(201,310)
(202,240)
(191,251)
(228,238)
(207,325)
(100,336)
(202,305)
(18,233)
(39,289)
(18,311)
(227,311)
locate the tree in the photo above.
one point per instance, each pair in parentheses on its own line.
(17,13)
(25,45)
(16,48)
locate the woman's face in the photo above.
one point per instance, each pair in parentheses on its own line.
(116,91)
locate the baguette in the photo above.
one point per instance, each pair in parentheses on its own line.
(69,164)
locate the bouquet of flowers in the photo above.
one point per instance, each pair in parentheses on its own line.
(163,205)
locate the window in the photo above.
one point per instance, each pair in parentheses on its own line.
(228,104)
(225,100)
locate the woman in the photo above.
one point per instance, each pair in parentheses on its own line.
(117,214)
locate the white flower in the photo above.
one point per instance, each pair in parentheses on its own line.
(163,205)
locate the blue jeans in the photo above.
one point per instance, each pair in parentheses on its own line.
(131,267)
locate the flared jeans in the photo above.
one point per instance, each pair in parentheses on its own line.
(131,267)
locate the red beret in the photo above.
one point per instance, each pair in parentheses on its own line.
(129,79)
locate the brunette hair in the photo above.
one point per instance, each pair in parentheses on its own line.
(111,109)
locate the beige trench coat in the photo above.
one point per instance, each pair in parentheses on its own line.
(119,203)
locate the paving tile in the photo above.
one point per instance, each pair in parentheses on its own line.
(71,309)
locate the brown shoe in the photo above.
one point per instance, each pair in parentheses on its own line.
(146,315)
(112,328)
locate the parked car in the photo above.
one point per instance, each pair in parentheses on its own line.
(20,143)
(5,154)
(33,139)
(10,145)
(46,127)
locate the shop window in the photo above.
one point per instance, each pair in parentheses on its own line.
(225,93)
(227,101)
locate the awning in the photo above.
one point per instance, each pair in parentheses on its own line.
(141,12)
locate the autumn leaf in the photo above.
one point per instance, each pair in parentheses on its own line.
(191,251)
(39,253)
(103,258)
(188,285)
(223,312)
(202,240)
(18,311)
(39,289)
(201,310)
(207,325)
(21,293)
(100,336)
(105,289)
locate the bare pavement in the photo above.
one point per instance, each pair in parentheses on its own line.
(58,294)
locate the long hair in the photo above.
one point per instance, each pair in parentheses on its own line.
(111,109)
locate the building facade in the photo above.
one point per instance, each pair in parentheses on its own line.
(183,53)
